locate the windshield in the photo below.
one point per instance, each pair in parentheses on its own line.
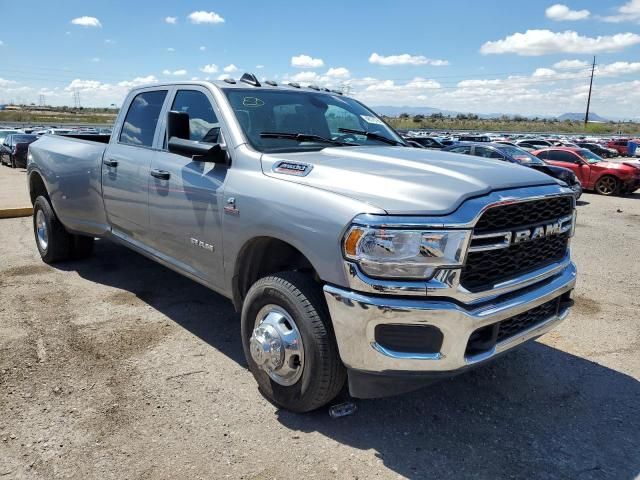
(520,155)
(589,156)
(316,120)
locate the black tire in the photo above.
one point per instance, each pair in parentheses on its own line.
(323,373)
(58,243)
(608,185)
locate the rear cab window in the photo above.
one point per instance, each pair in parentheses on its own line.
(141,121)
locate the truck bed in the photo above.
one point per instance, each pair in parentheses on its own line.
(71,167)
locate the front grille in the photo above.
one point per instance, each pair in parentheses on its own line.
(484,269)
(511,216)
(485,338)
(515,325)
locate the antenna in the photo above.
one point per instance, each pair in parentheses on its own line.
(76,99)
(41,100)
(586,115)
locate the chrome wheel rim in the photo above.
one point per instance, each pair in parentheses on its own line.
(276,345)
(606,186)
(41,230)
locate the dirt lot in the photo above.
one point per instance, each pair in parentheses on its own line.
(14,192)
(117,368)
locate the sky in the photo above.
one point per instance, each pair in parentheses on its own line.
(515,57)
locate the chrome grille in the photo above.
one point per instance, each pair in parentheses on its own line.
(485,268)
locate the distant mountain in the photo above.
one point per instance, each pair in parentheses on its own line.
(391,111)
(396,111)
(593,117)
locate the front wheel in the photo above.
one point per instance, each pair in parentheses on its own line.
(607,185)
(289,344)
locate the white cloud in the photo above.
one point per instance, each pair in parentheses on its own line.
(629,12)
(405,59)
(259,66)
(138,81)
(109,41)
(210,68)
(1,43)
(230,68)
(95,59)
(6,83)
(201,17)
(179,72)
(171,20)
(305,77)
(338,72)
(305,61)
(194,78)
(617,68)
(570,64)
(223,76)
(87,22)
(171,49)
(560,12)
(541,42)
(202,48)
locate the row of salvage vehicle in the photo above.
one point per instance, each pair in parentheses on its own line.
(580,165)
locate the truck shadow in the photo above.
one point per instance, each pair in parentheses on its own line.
(537,412)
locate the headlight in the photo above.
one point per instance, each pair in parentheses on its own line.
(390,253)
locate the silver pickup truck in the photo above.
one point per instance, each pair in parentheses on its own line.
(351,257)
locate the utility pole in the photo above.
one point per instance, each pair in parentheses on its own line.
(41,100)
(586,115)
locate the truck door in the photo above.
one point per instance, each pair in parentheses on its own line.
(126,165)
(185,195)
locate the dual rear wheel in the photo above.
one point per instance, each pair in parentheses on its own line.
(54,243)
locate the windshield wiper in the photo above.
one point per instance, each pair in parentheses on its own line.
(303,137)
(373,135)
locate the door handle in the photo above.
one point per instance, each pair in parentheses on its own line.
(110,163)
(161,174)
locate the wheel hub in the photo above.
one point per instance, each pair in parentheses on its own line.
(41,230)
(276,345)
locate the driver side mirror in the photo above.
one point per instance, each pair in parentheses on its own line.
(180,143)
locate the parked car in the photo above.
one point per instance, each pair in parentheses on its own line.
(599,150)
(14,148)
(474,138)
(534,143)
(594,173)
(347,256)
(517,155)
(427,142)
(414,144)
(5,132)
(619,146)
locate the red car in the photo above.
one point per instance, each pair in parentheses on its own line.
(619,145)
(594,173)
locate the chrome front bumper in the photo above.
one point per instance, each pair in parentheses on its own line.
(355,316)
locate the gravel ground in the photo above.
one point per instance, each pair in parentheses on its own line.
(118,368)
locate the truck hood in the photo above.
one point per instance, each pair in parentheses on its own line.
(401,180)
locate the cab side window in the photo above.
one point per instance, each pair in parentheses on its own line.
(142,119)
(203,123)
